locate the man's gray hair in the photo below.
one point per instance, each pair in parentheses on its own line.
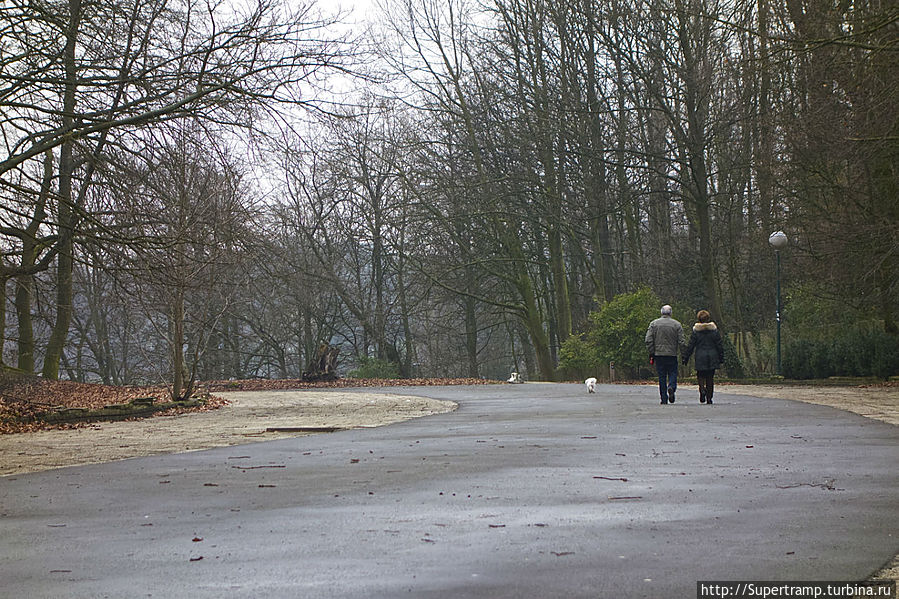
(666,310)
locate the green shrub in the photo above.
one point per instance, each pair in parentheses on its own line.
(618,329)
(885,361)
(578,358)
(848,357)
(794,360)
(374,368)
(733,365)
(616,333)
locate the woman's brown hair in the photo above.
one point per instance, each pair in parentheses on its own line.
(703,316)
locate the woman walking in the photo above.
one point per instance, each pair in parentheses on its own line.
(706,341)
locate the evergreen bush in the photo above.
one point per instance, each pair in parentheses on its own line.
(374,368)
(885,361)
(618,329)
(856,353)
(616,333)
(578,358)
(733,365)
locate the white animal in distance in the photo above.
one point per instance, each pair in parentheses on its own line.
(591,385)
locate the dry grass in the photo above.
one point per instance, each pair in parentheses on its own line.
(23,398)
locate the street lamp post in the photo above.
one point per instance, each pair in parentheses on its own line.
(778,241)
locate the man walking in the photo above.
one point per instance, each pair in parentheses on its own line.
(663,340)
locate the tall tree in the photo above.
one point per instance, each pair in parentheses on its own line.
(435,57)
(189,218)
(83,75)
(846,147)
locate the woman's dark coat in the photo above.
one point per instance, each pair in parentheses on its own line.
(706,341)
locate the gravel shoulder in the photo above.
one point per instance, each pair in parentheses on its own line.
(248,418)
(877,402)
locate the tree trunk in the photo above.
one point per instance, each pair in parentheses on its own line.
(764,154)
(324,365)
(701,208)
(25,281)
(659,203)
(178,366)
(547,129)
(533,322)
(3,281)
(471,336)
(98,321)
(379,321)
(65,259)
(24,287)
(308,345)
(596,184)
(527,352)
(697,97)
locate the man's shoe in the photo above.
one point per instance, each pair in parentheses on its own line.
(701,397)
(670,395)
(664,402)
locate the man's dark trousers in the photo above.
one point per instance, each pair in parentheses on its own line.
(666,366)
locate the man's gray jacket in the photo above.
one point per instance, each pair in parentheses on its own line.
(664,337)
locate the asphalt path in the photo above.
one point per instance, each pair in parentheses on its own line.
(531,490)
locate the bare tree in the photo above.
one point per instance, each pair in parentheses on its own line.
(345,202)
(436,58)
(185,209)
(78,77)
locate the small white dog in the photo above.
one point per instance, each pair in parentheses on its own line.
(515,378)
(591,385)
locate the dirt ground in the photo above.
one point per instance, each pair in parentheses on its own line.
(252,416)
(877,402)
(249,417)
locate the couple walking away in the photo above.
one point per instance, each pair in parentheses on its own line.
(665,337)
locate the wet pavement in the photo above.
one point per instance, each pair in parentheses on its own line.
(531,490)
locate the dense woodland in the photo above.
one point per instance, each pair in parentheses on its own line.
(193,191)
